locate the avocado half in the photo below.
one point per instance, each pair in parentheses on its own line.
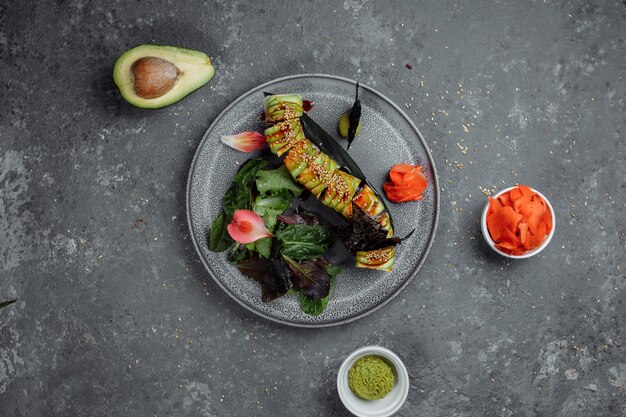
(155,76)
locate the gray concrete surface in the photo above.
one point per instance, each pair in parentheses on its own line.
(115,313)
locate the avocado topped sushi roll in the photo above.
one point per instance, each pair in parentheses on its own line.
(283,107)
(322,176)
(368,200)
(339,194)
(382,259)
(283,136)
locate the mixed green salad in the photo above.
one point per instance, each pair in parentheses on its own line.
(272,240)
(291,261)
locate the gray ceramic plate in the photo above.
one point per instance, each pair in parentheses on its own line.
(388,137)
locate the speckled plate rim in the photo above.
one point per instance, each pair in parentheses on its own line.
(400,287)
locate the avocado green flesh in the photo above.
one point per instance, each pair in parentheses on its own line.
(387,266)
(369,201)
(195,70)
(339,201)
(297,156)
(344,125)
(278,139)
(276,105)
(312,179)
(381,259)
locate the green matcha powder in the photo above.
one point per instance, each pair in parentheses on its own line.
(371,378)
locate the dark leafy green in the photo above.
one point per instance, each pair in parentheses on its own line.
(364,233)
(270,206)
(329,145)
(354,117)
(270,181)
(262,246)
(238,196)
(310,276)
(299,218)
(273,274)
(237,252)
(315,307)
(219,239)
(300,241)
(7,303)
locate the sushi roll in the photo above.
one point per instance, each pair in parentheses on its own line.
(283,136)
(368,200)
(382,259)
(321,174)
(283,107)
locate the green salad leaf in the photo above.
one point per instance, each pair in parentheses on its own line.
(294,255)
(310,276)
(219,239)
(237,252)
(315,307)
(301,241)
(262,246)
(271,181)
(238,196)
(333,270)
(270,206)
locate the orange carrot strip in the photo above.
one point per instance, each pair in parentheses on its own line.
(407,183)
(494,205)
(518,220)
(523,234)
(521,196)
(505,199)
(502,220)
(508,241)
(546,218)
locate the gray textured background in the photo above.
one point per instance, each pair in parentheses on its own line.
(116,315)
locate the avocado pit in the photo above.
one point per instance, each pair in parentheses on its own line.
(153,77)
(156,76)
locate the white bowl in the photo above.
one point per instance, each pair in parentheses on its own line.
(374,408)
(492,244)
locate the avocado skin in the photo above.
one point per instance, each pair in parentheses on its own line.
(195,67)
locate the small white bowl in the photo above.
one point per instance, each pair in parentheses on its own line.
(374,408)
(492,244)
